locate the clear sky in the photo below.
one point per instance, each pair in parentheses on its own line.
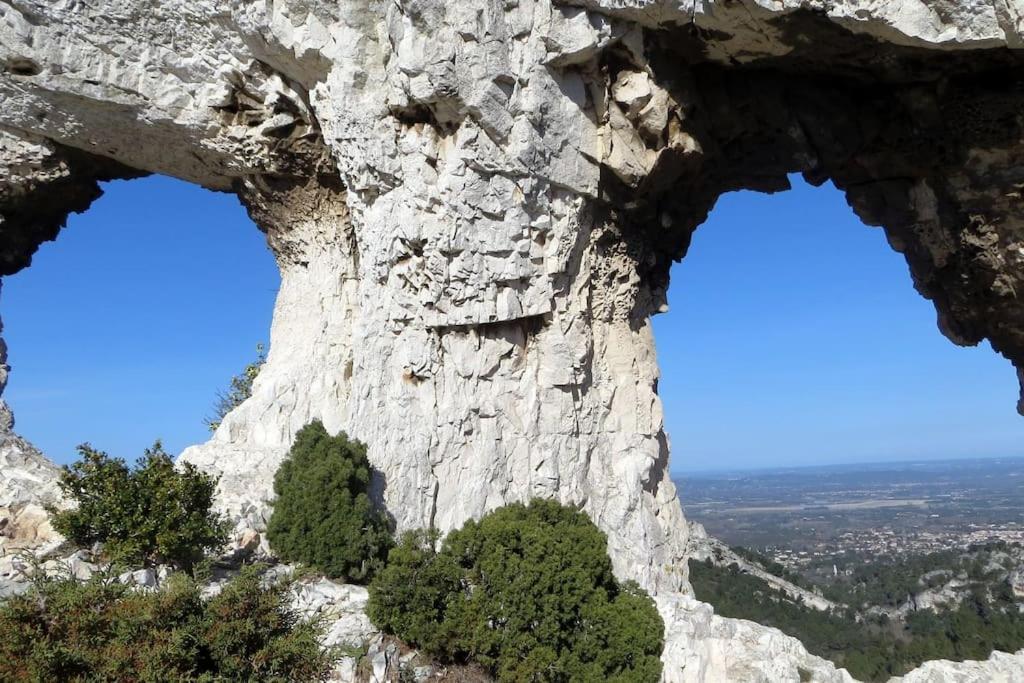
(124,329)
(794,335)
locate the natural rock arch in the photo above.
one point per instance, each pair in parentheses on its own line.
(474,206)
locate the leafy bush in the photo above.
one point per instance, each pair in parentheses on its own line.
(251,633)
(411,596)
(152,513)
(528,592)
(323,515)
(238,391)
(102,630)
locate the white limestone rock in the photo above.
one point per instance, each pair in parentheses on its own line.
(28,481)
(701,647)
(341,606)
(1000,667)
(952,24)
(433,177)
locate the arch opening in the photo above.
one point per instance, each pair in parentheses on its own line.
(124,329)
(804,388)
(794,336)
(925,146)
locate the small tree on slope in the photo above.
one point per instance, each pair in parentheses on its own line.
(238,391)
(154,513)
(323,515)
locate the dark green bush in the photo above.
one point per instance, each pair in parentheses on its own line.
(411,596)
(153,513)
(252,634)
(528,592)
(102,630)
(323,515)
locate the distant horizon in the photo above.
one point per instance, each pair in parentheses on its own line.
(845,464)
(795,336)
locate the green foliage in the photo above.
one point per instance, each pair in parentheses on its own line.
(772,567)
(238,391)
(323,515)
(252,634)
(102,630)
(410,597)
(891,582)
(875,648)
(528,592)
(153,513)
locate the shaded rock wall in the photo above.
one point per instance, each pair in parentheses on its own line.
(474,206)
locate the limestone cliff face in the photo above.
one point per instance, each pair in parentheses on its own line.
(475,204)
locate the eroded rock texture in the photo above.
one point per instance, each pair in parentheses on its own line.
(475,204)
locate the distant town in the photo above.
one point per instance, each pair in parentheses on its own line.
(888,541)
(809,519)
(877,567)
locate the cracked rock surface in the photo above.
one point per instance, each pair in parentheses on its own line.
(474,206)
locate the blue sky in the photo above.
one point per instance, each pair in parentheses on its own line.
(794,335)
(124,328)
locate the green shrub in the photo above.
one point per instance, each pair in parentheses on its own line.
(411,595)
(528,592)
(323,515)
(252,634)
(102,630)
(153,513)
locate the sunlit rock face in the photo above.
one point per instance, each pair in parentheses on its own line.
(474,206)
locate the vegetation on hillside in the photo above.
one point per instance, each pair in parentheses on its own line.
(153,513)
(892,582)
(323,516)
(872,646)
(103,630)
(772,567)
(528,592)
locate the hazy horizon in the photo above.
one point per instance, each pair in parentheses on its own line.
(871,464)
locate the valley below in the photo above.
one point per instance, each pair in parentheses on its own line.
(878,567)
(812,517)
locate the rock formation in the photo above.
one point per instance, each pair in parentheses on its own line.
(1000,667)
(704,547)
(28,483)
(474,206)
